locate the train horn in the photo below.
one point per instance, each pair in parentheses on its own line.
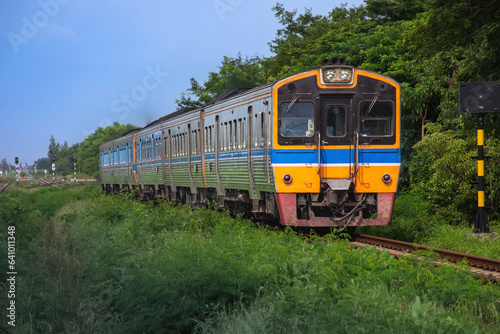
(333,61)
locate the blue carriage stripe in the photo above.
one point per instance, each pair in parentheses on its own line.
(335,156)
(296,156)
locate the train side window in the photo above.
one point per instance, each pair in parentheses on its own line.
(198,142)
(296,119)
(231,142)
(227,137)
(149,149)
(179,145)
(212,138)
(269,129)
(195,141)
(335,121)
(158,146)
(184,144)
(234,137)
(155,149)
(238,135)
(243,133)
(224,137)
(256,132)
(206,139)
(209,139)
(262,128)
(377,121)
(174,148)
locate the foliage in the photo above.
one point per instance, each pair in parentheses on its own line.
(233,73)
(88,150)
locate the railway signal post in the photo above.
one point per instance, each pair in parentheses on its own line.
(53,166)
(480,98)
(481,224)
(53,172)
(17,168)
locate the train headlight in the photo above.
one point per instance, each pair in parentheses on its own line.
(336,75)
(345,75)
(386,178)
(287,178)
(329,75)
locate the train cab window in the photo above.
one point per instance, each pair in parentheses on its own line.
(376,119)
(335,121)
(296,119)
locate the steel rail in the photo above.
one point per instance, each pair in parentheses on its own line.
(483,265)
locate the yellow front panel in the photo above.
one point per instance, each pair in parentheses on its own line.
(370,179)
(304,179)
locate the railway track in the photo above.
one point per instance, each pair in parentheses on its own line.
(5,185)
(482,266)
(42,182)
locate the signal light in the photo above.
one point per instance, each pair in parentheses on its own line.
(287,178)
(386,178)
(17,160)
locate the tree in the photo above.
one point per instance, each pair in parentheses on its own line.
(233,73)
(43,163)
(88,151)
(54,148)
(4,165)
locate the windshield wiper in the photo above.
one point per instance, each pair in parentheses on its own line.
(370,108)
(295,99)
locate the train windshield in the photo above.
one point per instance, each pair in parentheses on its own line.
(377,121)
(297,119)
(335,121)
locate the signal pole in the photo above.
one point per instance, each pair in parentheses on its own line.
(17,168)
(53,166)
(480,98)
(481,224)
(74,165)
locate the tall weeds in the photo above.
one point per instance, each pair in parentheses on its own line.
(100,264)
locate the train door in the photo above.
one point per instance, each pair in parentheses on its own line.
(338,142)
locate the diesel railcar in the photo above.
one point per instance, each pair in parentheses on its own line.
(320,148)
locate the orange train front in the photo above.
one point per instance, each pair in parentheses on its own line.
(336,151)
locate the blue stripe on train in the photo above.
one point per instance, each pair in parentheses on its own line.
(332,156)
(298,156)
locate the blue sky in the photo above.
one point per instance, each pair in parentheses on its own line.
(70,66)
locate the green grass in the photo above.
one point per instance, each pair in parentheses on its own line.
(98,264)
(414,222)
